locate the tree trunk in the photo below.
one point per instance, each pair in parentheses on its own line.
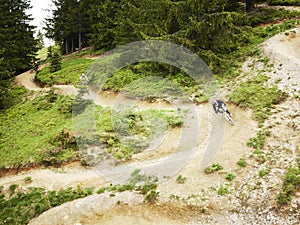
(66,46)
(72,44)
(249,5)
(79,41)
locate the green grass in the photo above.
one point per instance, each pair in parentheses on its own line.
(29,129)
(258,95)
(141,81)
(230,176)
(132,130)
(262,172)
(42,54)
(69,74)
(122,78)
(9,95)
(268,15)
(22,206)
(290,185)
(142,183)
(242,162)
(39,130)
(90,51)
(285,2)
(213,168)
(259,141)
(156,87)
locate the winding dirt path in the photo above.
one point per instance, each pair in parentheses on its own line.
(230,149)
(27,80)
(282,49)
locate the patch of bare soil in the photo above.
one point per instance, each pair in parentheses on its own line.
(56,178)
(27,80)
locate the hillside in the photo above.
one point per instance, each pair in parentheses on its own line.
(162,160)
(253,189)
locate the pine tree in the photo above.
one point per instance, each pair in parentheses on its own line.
(18,45)
(103,18)
(69,24)
(249,5)
(55,61)
(141,20)
(40,40)
(49,52)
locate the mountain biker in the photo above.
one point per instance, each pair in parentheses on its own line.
(36,66)
(84,79)
(220,107)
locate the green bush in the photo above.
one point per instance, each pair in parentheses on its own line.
(21,207)
(180,179)
(12,188)
(242,162)
(268,15)
(230,176)
(142,183)
(255,93)
(290,185)
(214,167)
(258,142)
(222,190)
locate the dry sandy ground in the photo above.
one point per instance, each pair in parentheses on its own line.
(198,202)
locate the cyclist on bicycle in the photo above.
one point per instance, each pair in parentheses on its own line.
(220,107)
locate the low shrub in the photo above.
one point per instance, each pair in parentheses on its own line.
(22,206)
(214,167)
(290,185)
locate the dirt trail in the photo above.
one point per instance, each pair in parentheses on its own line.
(167,146)
(74,174)
(283,50)
(27,80)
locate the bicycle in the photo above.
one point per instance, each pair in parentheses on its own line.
(220,108)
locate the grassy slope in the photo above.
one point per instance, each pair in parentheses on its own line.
(27,129)
(70,73)
(42,54)
(39,130)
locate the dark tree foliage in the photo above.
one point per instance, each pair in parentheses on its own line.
(55,60)
(249,5)
(211,28)
(103,18)
(69,24)
(141,20)
(18,45)
(40,40)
